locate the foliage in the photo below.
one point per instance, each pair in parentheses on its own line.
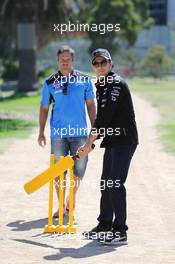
(10,69)
(132,15)
(42,12)
(157,63)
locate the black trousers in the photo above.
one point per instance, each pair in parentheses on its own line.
(113,206)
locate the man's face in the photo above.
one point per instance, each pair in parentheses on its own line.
(101,66)
(65,61)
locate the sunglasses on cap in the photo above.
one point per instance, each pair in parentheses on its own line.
(100,63)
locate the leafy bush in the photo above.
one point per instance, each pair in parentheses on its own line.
(10,69)
(156,63)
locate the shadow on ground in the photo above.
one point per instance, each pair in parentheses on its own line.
(90,249)
(23,225)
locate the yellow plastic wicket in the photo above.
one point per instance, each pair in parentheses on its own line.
(56,170)
(50,219)
(60,228)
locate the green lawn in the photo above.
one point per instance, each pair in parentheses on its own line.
(161,94)
(17,127)
(13,128)
(22,104)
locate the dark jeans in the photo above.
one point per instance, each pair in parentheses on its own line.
(116,163)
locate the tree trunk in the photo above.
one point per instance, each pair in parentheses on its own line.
(26,45)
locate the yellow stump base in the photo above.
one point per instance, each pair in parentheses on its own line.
(60,229)
(49,229)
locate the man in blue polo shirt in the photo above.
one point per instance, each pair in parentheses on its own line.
(68,90)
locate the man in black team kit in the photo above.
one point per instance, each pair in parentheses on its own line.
(116,119)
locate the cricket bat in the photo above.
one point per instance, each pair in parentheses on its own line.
(51,173)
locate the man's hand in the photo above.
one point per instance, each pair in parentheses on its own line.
(42,122)
(84,150)
(41,140)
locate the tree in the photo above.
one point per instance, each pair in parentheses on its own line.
(32,22)
(128,58)
(46,12)
(132,15)
(157,63)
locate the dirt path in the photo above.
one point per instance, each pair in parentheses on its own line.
(151,200)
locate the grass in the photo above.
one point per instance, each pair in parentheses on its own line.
(21,104)
(168,136)
(161,94)
(17,127)
(13,128)
(10,127)
(18,115)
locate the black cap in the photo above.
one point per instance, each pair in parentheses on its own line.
(101,52)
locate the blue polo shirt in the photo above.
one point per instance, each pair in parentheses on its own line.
(68,95)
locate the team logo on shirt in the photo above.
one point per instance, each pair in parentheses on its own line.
(115,93)
(57,87)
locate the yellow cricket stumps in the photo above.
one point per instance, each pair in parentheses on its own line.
(48,176)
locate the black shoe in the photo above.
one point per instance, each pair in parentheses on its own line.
(96,232)
(113,237)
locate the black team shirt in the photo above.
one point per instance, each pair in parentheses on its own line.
(115,120)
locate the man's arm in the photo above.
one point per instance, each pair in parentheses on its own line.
(43,114)
(102,120)
(91,108)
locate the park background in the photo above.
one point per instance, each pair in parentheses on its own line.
(144,54)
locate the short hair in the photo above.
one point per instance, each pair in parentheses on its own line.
(66,49)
